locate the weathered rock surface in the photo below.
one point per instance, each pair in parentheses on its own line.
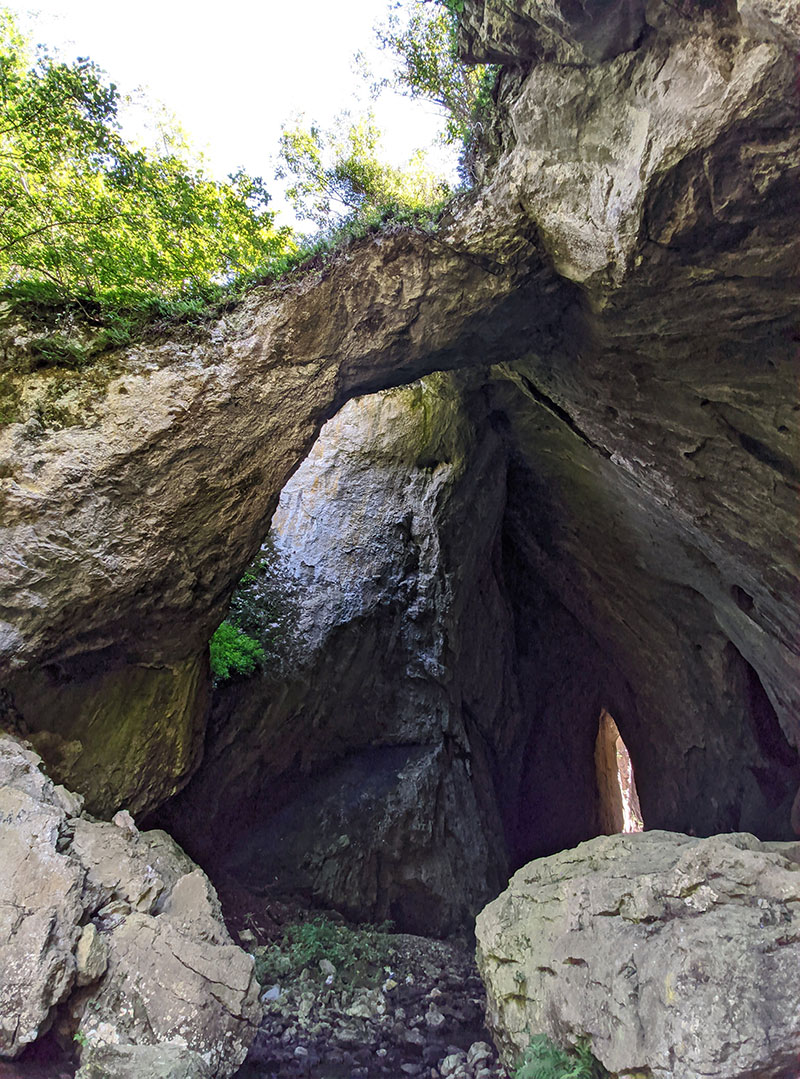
(143,1062)
(122,736)
(351,772)
(554,30)
(40,898)
(115,935)
(134,475)
(653,485)
(674,956)
(629,269)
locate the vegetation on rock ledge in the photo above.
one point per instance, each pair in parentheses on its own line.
(103,241)
(544,1059)
(260,630)
(233,652)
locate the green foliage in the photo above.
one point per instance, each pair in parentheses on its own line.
(259,632)
(544,1059)
(56,351)
(98,217)
(72,331)
(233,653)
(265,605)
(424,41)
(339,174)
(96,233)
(362,956)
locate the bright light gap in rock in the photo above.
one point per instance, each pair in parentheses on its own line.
(619,808)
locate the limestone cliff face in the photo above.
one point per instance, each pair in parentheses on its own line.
(127,521)
(628,272)
(432,718)
(356,770)
(664,454)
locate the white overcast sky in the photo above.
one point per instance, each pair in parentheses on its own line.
(232,72)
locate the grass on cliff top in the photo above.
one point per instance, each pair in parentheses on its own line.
(73,330)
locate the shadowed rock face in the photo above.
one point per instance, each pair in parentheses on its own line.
(643,388)
(493,32)
(353,766)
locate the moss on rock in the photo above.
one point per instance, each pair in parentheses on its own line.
(123,737)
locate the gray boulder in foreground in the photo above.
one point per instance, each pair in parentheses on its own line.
(116,936)
(675,956)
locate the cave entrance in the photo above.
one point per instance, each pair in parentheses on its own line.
(619,807)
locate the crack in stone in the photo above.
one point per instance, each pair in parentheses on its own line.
(560,414)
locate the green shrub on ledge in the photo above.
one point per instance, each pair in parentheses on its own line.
(233,652)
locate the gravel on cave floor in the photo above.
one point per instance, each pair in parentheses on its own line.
(417,1013)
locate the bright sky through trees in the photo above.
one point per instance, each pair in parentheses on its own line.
(233,72)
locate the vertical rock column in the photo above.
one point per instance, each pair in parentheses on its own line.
(354,770)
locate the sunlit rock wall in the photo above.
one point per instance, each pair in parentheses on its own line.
(356,773)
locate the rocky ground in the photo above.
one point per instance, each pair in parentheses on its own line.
(123,955)
(385,1005)
(343,1002)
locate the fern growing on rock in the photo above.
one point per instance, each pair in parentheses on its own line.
(544,1059)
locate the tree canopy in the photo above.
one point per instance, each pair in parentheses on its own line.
(338,173)
(91,214)
(88,212)
(422,36)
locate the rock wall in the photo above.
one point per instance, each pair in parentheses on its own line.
(624,283)
(658,590)
(351,773)
(434,718)
(653,486)
(130,512)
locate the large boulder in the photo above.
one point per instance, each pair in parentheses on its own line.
(674,956)
(113,933)
(41,898)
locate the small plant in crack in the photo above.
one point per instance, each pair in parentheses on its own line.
(260,631)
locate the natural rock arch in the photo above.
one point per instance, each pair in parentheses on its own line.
(637,327)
